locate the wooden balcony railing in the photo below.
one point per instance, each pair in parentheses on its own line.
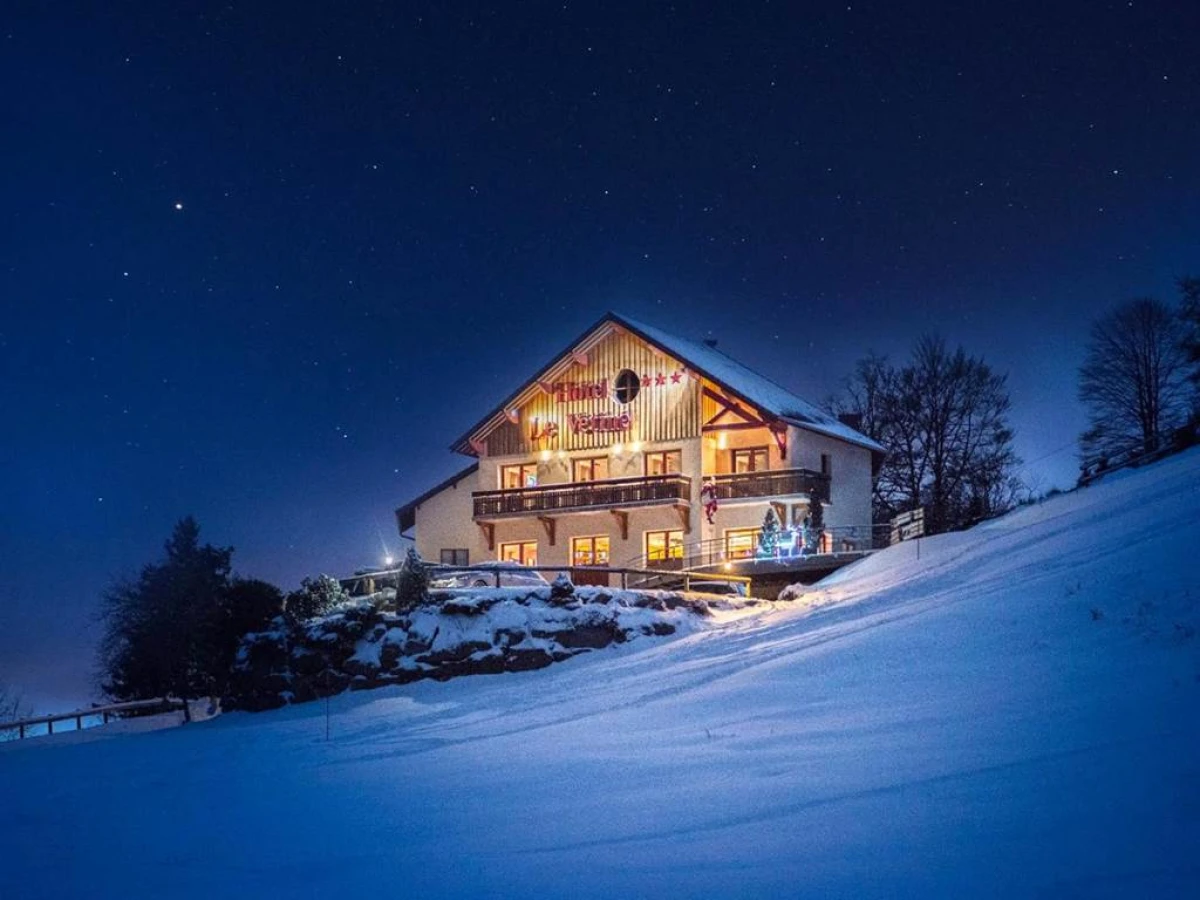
(772,483)
(613,493)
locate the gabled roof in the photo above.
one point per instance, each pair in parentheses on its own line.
(742,382)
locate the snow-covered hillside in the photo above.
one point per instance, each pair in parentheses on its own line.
(1013,714)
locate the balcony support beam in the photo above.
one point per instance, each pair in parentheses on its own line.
(549,523)
(489,535)
(685,517)
(779,431)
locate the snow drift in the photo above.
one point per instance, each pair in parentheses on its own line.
(1013,714)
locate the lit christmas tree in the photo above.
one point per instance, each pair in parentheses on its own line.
(768,538)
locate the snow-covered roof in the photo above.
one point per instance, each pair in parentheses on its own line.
(755,388)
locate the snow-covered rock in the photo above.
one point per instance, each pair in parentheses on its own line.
(482,631)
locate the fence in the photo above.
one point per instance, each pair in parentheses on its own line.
(104,713)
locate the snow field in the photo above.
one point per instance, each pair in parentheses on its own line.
(1014,714)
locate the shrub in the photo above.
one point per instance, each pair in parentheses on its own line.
(316,597)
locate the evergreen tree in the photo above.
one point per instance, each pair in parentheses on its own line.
(158,627)
(768,537)
(246,605)
(816,524)
(412,585)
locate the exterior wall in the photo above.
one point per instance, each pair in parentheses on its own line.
(718,458)
(850,474)
(586,524)
(445,522)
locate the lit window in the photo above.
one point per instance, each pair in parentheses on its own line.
(664,462)
(523,552)
(591,469)
(753,459)
(741,543)
(589,551)
(522,475)
(664,545)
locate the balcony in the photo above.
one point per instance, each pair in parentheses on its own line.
(613,493)
(772,483)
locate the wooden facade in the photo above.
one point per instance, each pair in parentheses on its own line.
(554,412)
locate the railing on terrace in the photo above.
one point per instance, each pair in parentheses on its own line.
(772,483)
(611,493)
(512,575)
(792,545)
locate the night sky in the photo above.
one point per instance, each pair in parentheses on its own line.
(261,265)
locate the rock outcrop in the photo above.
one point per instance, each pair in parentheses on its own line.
(482,631)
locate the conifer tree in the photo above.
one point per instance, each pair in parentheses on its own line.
(768,538)
(413,582)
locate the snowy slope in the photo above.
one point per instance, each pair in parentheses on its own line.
(1014,714)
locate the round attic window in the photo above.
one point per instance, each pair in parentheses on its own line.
(626,386)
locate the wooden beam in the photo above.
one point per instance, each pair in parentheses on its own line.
(548,522)
(622,518)
(733,426)
(730,406)
(779,430)
(781,513)
(489,535)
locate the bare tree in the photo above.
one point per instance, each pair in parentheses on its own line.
(12,705)
(944,421)
(1133,380)
(1189,312)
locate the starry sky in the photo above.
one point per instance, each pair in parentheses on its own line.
(262,263)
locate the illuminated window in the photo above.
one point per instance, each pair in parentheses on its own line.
(753,459)
(664,545)
(741,543)
(592,469)
(523,552)
(456,557)
(589,551)
(519,476)
(664,462)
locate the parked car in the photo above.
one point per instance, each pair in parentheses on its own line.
(511,575)
(724,588)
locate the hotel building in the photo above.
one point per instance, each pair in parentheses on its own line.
(634,447)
